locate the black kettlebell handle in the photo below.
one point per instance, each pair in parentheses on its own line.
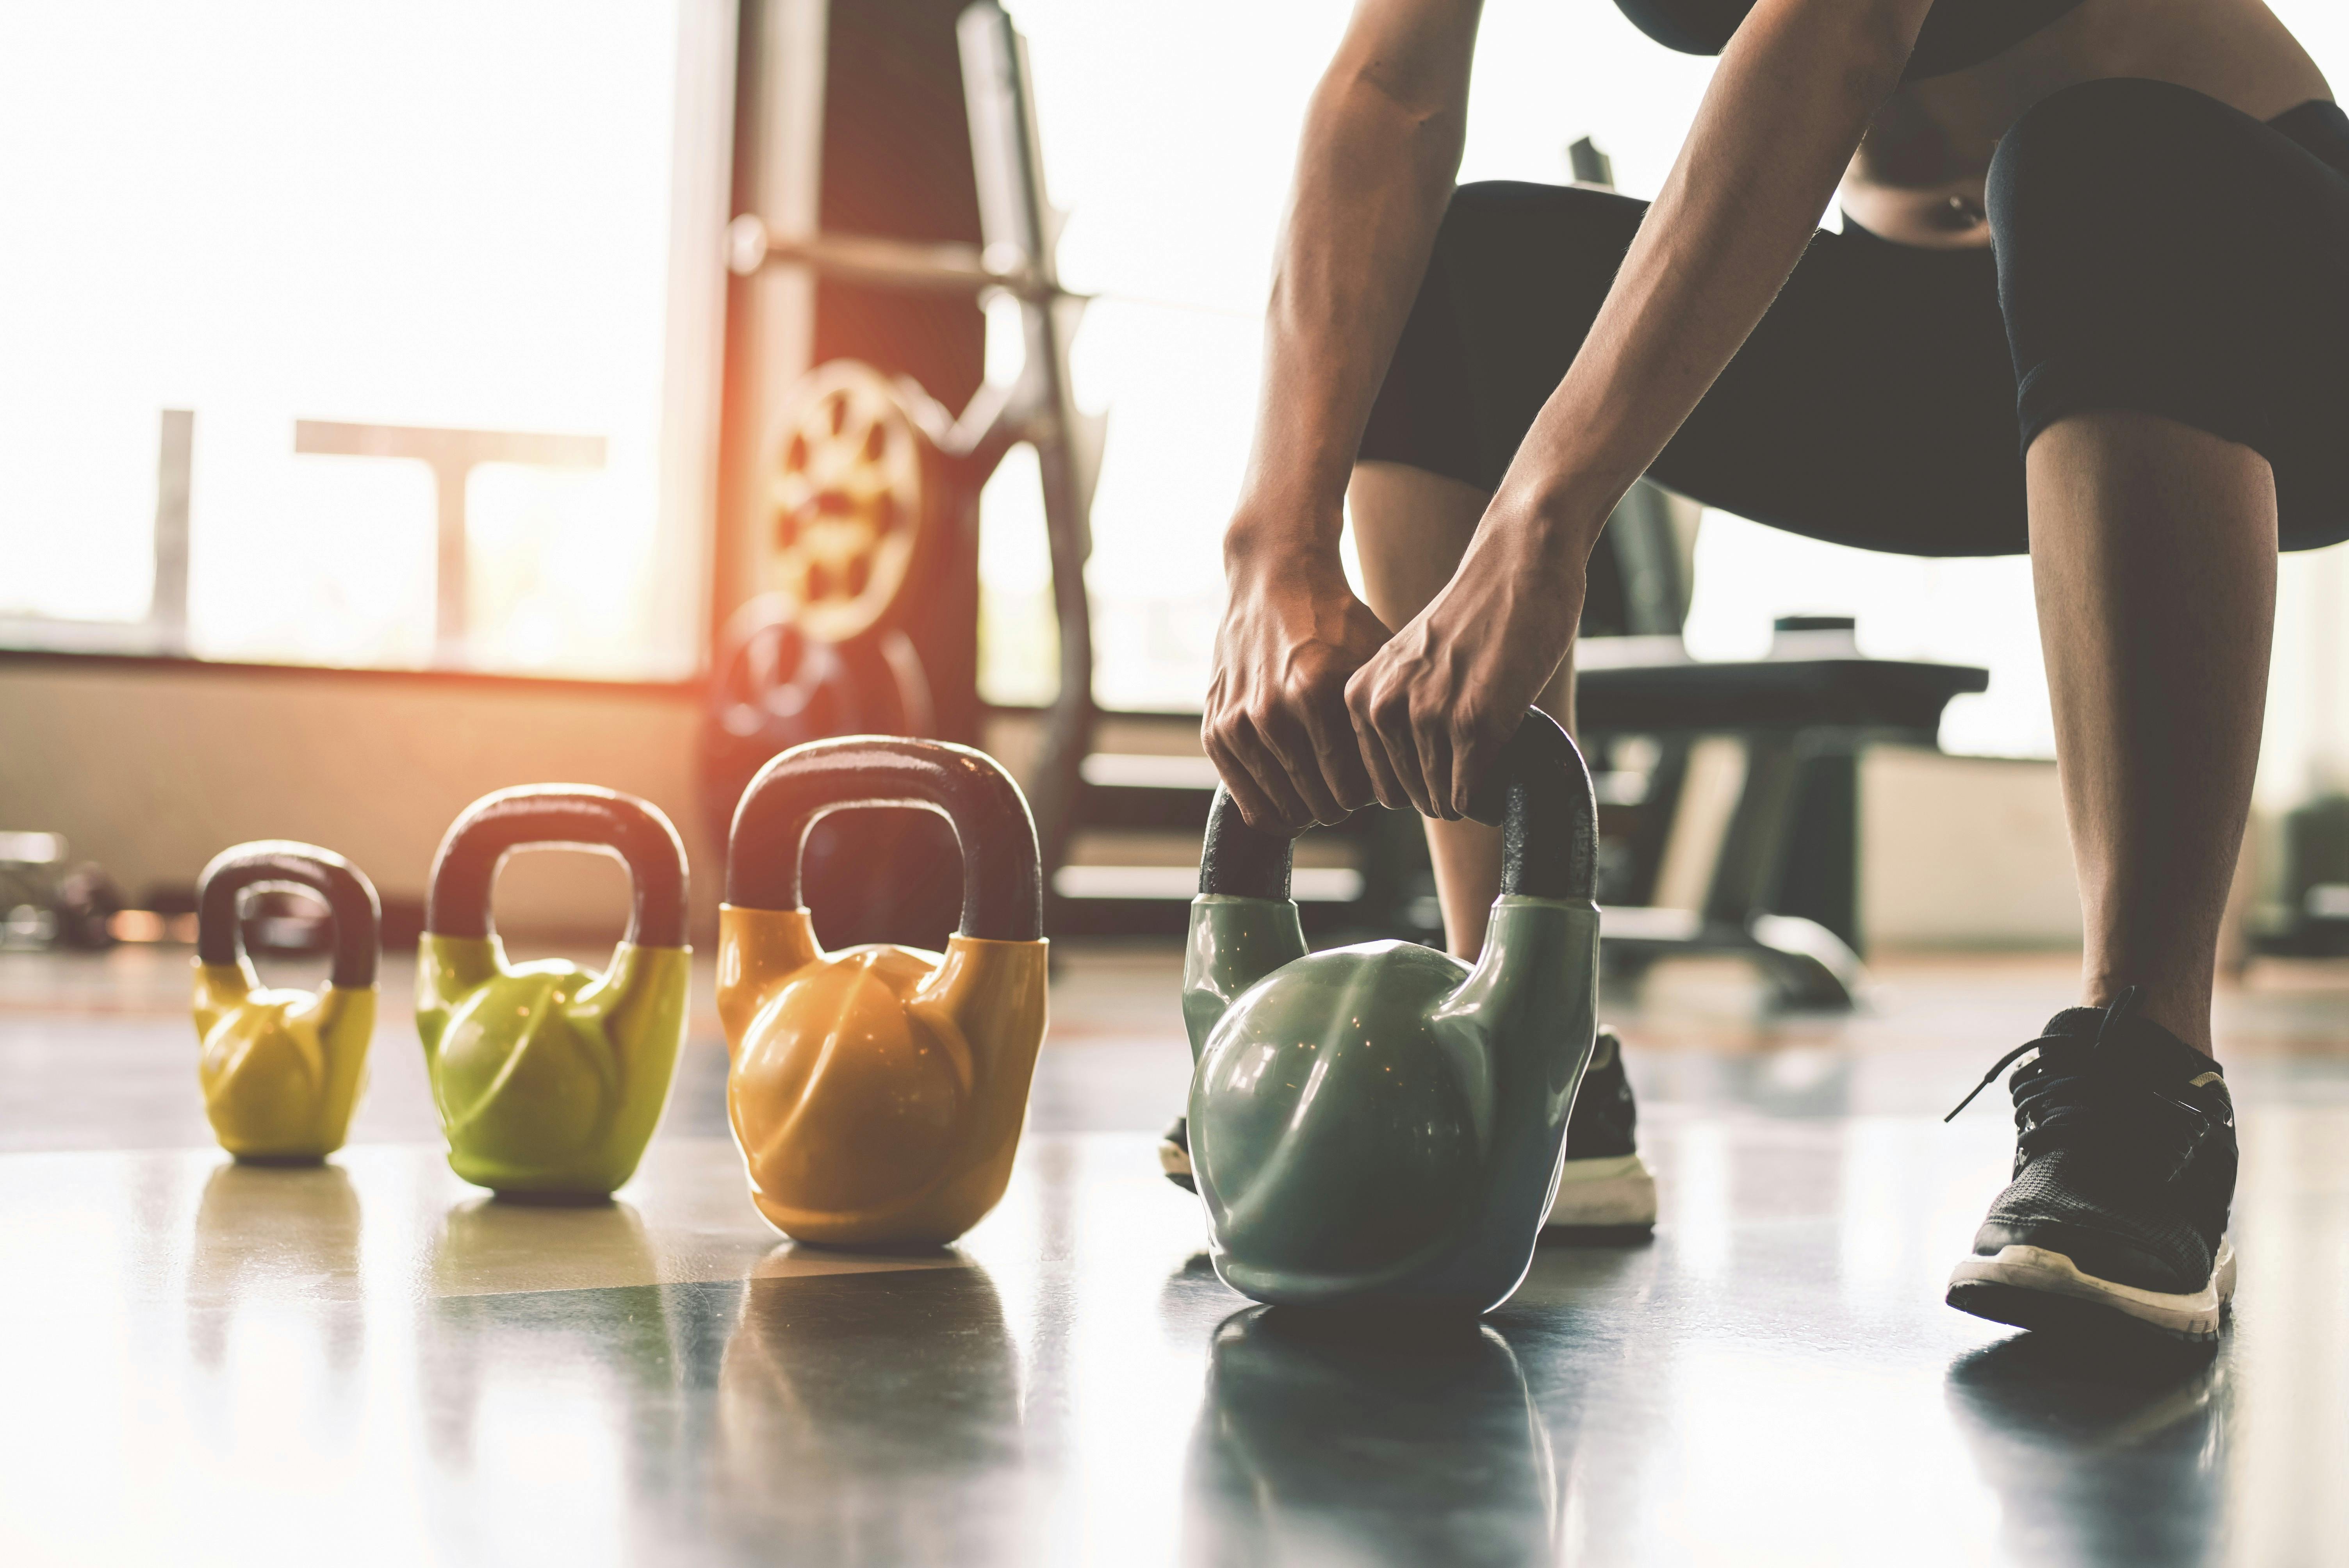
(1003,881)
(282,863)
(559,816)
(1539,792)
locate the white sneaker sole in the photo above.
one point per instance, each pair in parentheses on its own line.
(1597,1194)
(2030,1287)
(1604,1193)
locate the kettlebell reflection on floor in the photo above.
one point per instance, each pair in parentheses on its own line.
(277,1328)
(1361,1439)
(878,1415)
(263,1236)
(494,1244)
(522,1380)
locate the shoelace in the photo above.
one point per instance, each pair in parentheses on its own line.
(2042,1092)
(2064,1097)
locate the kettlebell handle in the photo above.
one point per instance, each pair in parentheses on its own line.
(1003,881)
(1539,792)
(282,863)
(560,816)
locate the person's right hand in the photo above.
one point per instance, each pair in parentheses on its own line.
(1276,725)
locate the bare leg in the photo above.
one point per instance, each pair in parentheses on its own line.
(1411,527)
(2153,550)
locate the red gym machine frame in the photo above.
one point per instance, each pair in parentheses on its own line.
(1019,229)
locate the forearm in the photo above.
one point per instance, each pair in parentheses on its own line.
(1374,173)
(1793,95)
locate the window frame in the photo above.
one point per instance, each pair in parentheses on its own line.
(692,373)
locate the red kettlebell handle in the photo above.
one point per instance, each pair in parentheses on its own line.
(1002,884)
(559,816)
(1539,793)
(282,863)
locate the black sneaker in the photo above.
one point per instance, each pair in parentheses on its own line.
(1175,1154)
(2123,1171)
(1603,1184)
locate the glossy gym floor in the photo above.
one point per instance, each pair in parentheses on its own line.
(372,1362)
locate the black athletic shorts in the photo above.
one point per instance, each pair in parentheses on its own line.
(2153,250)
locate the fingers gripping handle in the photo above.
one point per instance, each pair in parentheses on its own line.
(281,863)
(1002,881)
(1240,861)
(1539,792)
(569,815)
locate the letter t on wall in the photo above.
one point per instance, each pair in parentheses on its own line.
(451,455)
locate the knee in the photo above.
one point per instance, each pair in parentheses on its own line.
(2103,162)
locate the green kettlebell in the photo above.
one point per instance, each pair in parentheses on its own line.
(550,1078)
(1383,1124)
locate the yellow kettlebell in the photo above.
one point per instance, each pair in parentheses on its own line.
(282,1070)
(550,1078)
(878,1092)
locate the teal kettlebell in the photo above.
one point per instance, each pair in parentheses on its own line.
(1382,1124)
(550,1078)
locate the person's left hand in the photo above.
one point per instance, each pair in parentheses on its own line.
(1433,708)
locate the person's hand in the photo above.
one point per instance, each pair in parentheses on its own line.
(1435,704)
(1275,723)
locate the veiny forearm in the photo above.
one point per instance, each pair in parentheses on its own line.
(1794,93)
(1380,148)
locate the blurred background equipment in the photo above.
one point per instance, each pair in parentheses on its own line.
(777,686)
(45,903)
(847,505)
(861,515)
(28,867)
(2314,917)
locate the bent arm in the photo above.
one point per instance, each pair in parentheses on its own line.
(1381,145)
(1795,92)
(1375,165)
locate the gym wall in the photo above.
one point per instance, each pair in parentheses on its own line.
(151,768)
(1963,851)
(170,764)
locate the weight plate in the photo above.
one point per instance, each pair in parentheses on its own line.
(845,495)
(872,876)
(775,686)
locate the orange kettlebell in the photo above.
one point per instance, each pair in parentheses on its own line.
(878,1092)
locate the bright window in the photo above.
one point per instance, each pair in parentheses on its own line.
(441,232)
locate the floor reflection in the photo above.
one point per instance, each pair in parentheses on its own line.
(264,1234)
(1369,1440)
(2098,1454)
(368,1355)
(549,1417)
(872,1418)
(275,1374)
